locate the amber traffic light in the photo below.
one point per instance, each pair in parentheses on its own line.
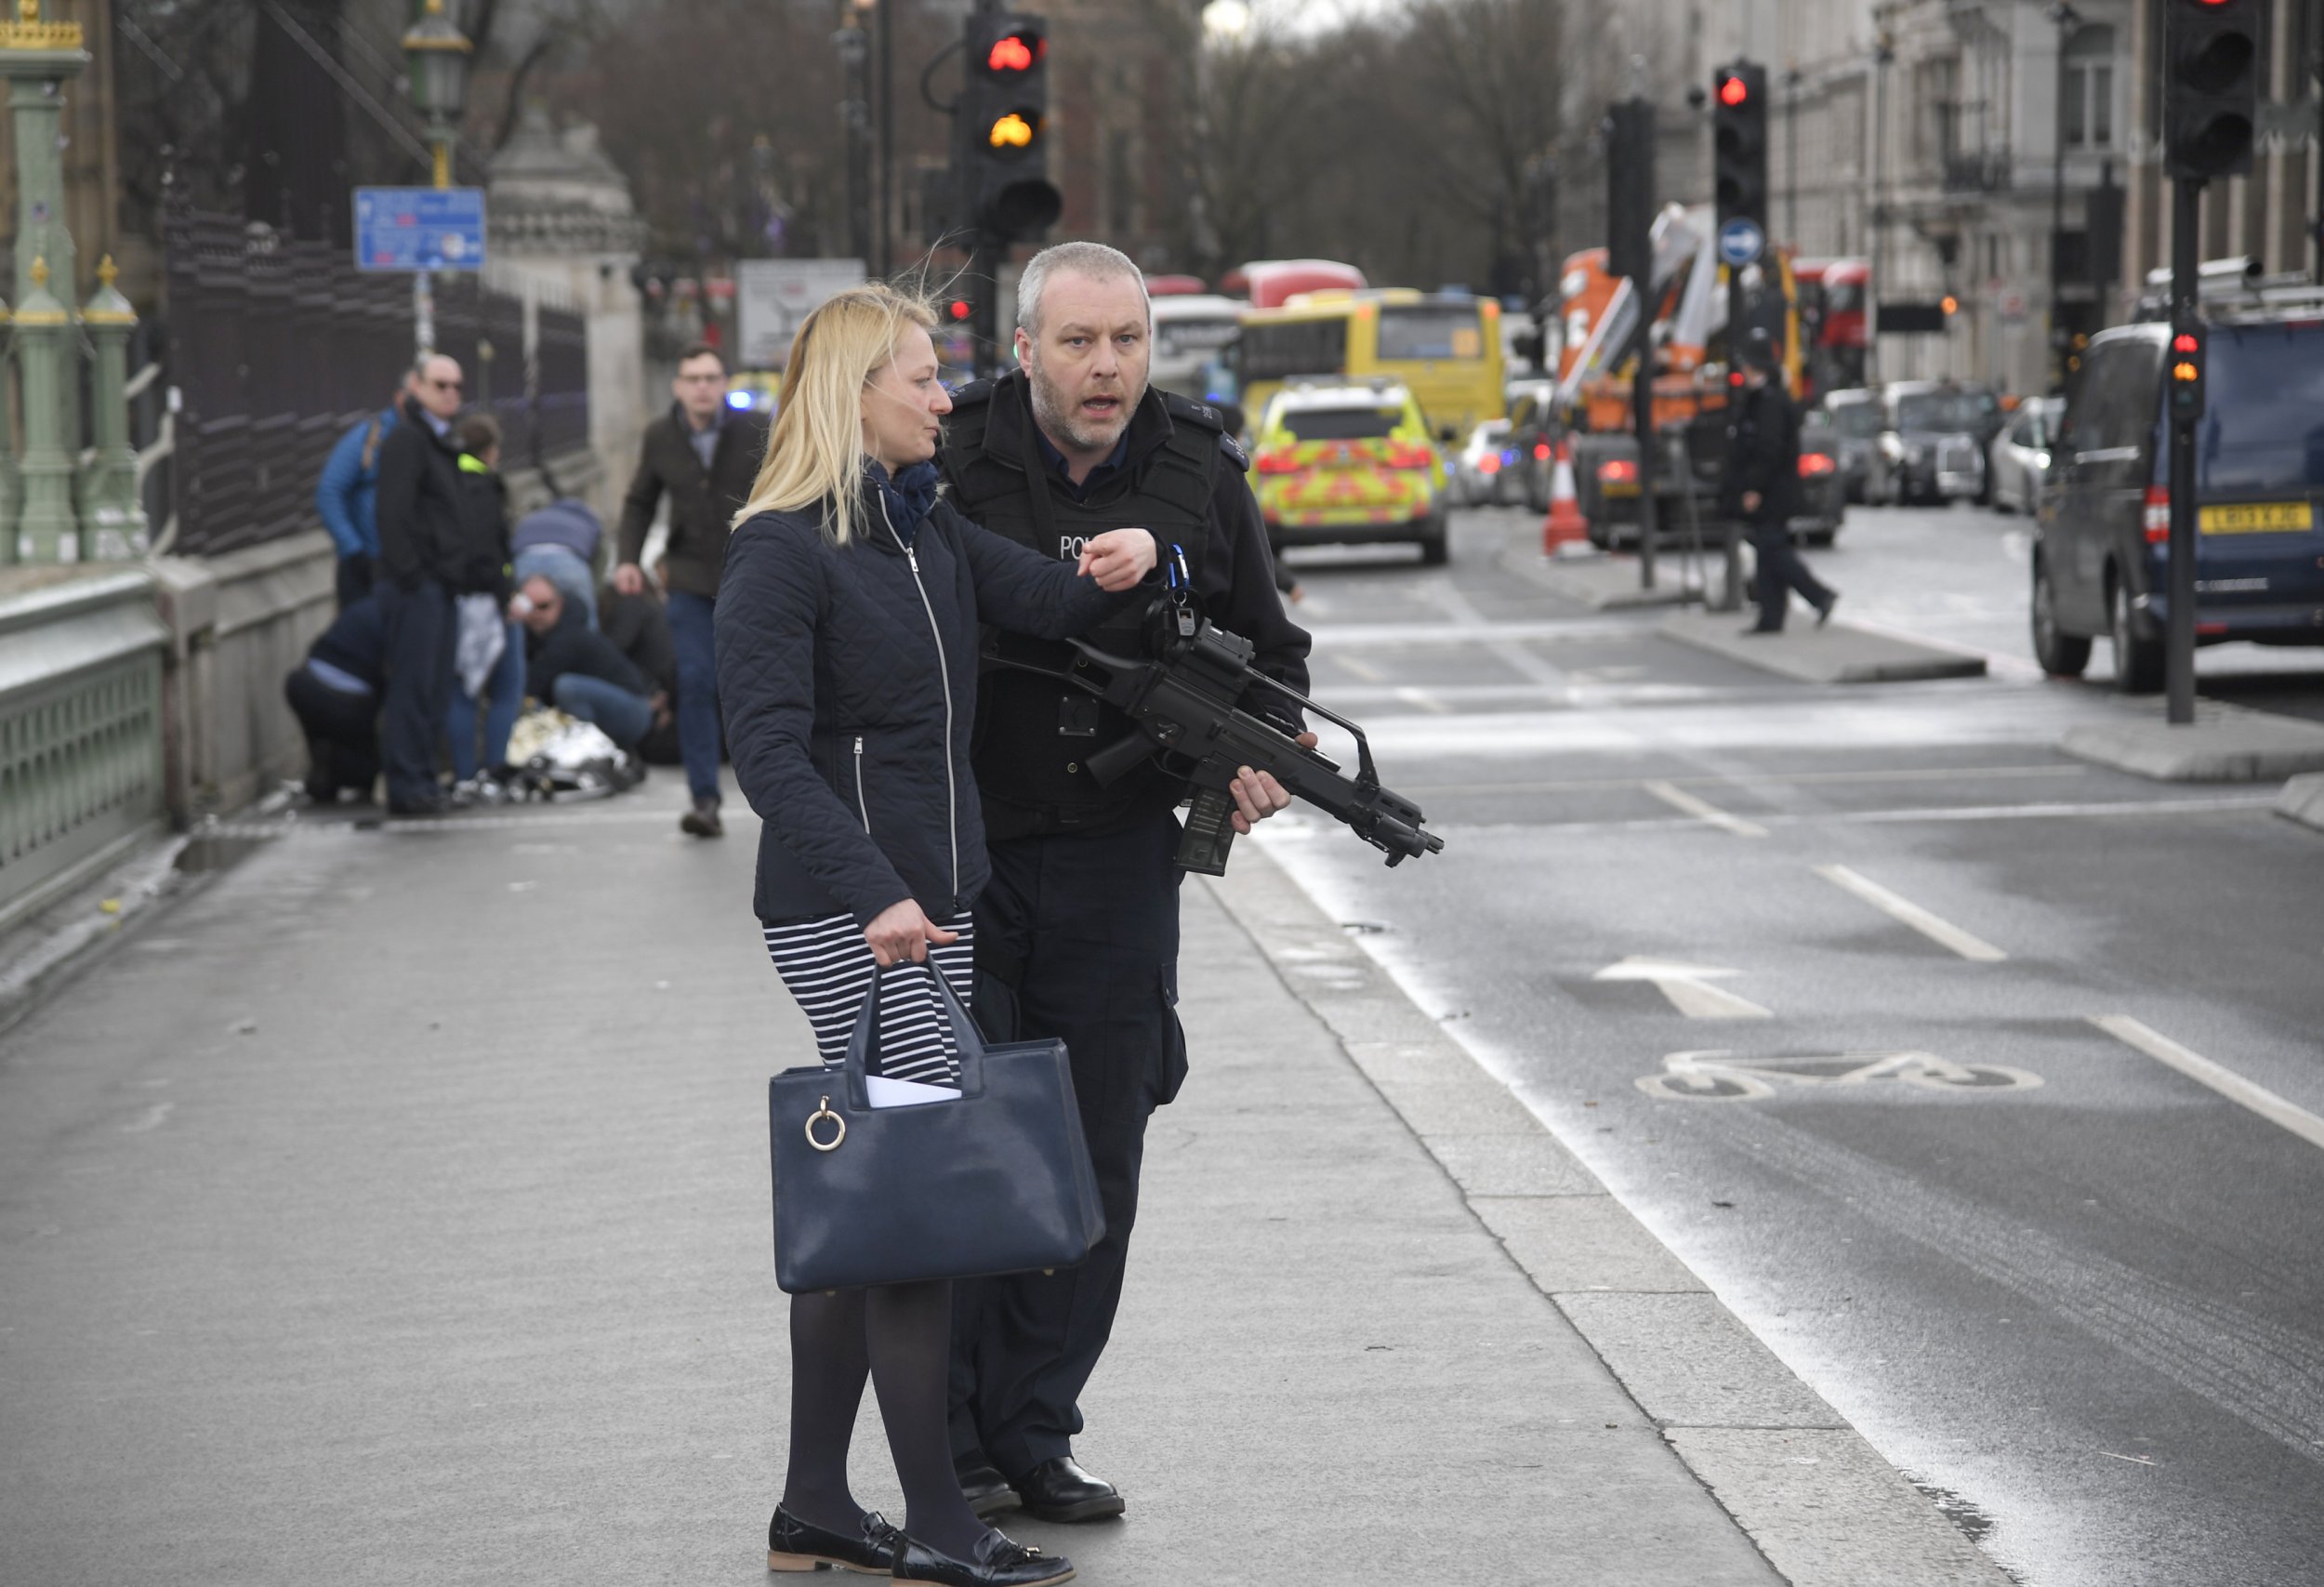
(1002,127)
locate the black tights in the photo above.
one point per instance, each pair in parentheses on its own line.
(900,1335)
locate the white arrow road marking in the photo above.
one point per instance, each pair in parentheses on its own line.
(2218,1076)
(1688,988)
(1703,810)
(1913,915)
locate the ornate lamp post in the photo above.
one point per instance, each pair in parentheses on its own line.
(38,58)
(113,518)
(438,52)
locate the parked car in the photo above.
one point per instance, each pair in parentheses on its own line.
(2102,548)
(1857,419)
(1934,441)
(1823,485)
(2018,460)
(1350,463)
(1485,473)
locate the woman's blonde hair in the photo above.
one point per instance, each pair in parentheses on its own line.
(815,454)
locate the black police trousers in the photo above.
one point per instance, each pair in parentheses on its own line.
(421,635)
(1780,571)
(1076,938)
(342,730)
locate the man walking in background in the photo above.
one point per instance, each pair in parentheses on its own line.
(346,497)
(419,557)
(1763,487)
(703,456)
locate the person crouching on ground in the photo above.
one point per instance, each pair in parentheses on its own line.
(847,673)
(580,671)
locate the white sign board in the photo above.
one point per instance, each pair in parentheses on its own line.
(772,295)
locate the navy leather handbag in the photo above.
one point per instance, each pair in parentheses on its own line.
(996,1180)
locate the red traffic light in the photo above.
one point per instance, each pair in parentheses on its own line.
(1733,91)
(1015,53)
(959,309)
(2186,341)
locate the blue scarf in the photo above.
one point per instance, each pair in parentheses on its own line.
(909,496)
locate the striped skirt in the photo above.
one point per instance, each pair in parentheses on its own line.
(829,967)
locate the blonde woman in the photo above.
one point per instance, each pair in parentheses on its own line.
(847,662)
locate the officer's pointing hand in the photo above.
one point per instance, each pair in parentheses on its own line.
(1117,559)
(1258,795)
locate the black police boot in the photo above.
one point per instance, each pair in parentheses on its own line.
(1060,1490)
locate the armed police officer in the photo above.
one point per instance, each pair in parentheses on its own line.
(1077,933)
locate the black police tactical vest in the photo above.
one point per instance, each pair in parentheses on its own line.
(1034,734)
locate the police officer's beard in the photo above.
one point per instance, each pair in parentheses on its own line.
(1058,418)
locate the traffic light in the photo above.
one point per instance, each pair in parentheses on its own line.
(1002,127)
(1739,133)
(2213,53)
(2187,370)
(1630,191)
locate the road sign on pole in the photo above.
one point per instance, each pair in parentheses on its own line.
(1740,243)
(771,297)
(419,228)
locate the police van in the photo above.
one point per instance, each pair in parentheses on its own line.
(2101,551)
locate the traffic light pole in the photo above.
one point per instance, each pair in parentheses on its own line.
(985,322)
(2179,634)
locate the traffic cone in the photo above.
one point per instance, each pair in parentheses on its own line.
(1565,525)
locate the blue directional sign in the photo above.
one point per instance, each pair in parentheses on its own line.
(1740,243)
(413,228)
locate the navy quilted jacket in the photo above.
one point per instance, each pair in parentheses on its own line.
(847,678)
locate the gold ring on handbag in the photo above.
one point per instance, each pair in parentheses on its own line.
(821,1112)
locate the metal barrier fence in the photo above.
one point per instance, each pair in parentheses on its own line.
(80,729)
(275,345)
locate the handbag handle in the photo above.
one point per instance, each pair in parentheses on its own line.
(865,1040)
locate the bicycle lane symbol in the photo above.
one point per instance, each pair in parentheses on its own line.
(1717,1075)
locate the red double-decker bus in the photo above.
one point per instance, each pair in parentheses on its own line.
(1835,296)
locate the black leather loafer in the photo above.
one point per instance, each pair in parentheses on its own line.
(792,1544)
(1060,1490)
(986,1490)
(1001,1562)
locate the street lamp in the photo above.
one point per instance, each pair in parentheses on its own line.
(439,52)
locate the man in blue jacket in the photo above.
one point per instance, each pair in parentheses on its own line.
(348,497)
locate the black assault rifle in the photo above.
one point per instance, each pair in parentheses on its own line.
(1184,699)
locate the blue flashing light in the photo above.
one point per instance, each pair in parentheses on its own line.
(738,399)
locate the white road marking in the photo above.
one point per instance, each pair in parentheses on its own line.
(1371,636)
(1931,926)
(1702,810)
(1575,785)
(1688,988)
(2218,1076)
(1361,668)
(1423,699)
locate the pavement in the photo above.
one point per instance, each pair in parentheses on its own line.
(2224,743)
(394,1209)
(2302,801)
(1836,653)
